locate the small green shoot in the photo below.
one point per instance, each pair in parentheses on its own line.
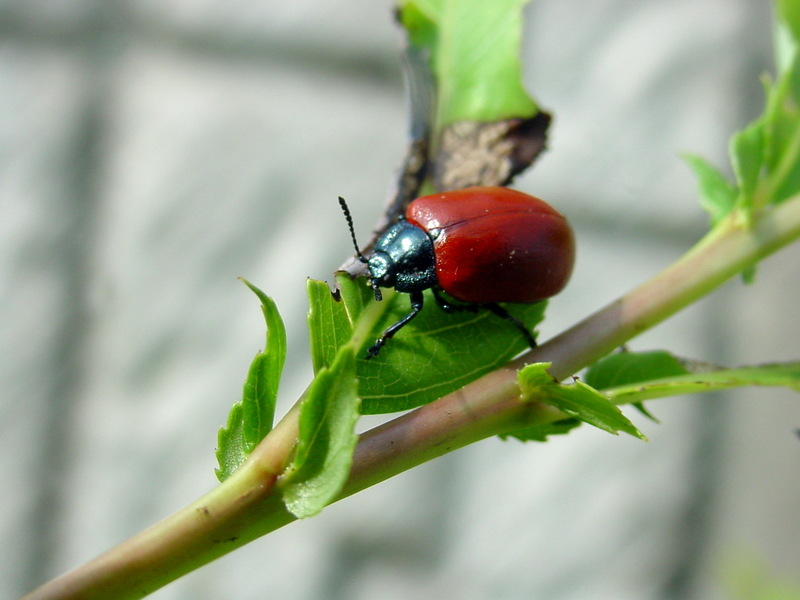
(250,420)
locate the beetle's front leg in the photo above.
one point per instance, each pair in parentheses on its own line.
(416,306)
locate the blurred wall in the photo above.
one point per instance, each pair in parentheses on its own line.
(153,151)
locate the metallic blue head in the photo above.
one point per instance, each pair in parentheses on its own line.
(403,259)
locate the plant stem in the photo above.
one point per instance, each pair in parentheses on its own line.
(246,505)
(243,508)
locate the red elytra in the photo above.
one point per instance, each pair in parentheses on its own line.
(494,244)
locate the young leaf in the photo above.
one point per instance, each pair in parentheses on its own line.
(230,444)
(765,155)
(782,133)
(747,158)
(775,136)
(717,195)
(576,400)
(789,17)
(251,419)
(326,440)
(261,387)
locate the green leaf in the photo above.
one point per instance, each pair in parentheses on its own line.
(747,158)
(781,119)
(788,13)
(435,354)
(331,317)
(698,381)
(623,368)
(576,400)
(782,134)
(765,155)
(626,367)
(474,53)
(230,444)
(420,20)
(250,420)
(261,386)
(326,440)
(717,195)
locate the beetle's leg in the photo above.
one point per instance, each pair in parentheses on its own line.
(504,314)
(416,306)
(449,307)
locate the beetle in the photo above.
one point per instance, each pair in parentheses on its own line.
(479,245)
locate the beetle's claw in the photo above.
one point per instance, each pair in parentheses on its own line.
(375,348)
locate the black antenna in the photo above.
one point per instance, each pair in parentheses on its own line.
(361,257)
(346,211)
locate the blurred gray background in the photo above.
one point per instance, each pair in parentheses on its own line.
(151,151)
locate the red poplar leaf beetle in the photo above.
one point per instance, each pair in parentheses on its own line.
(479,245)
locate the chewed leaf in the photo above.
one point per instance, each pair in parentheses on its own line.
(576,400)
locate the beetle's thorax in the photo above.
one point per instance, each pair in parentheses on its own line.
(403,259)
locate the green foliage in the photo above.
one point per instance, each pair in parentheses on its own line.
(577,400)
(230,444)
(788,12)
(473,48)
(251,419)
(747,158)
(435,354)
(717,195)
(765,155)
(627,367)
(326,439)
(331,319)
